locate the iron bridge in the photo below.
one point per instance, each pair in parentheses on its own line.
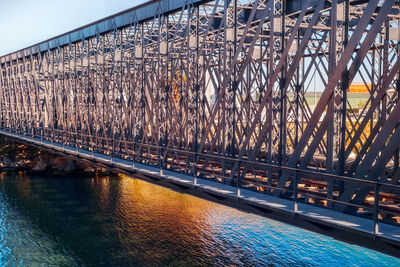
(256,94)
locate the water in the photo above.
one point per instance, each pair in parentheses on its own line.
(123,221)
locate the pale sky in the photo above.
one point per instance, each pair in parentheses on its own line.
(27,22)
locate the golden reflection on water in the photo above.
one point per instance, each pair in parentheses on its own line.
(123,221)
(170,205)
(160,220)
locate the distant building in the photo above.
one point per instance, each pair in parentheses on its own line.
(359,87)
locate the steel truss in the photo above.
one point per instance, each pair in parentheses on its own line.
(217,89)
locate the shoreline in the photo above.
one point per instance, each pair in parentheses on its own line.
(18,157)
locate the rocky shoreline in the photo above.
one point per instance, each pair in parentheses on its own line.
(15,157)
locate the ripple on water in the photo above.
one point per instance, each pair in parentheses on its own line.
(123,221)
(22,243)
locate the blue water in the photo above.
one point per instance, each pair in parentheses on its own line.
(120,221)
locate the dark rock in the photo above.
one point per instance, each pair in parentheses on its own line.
(6,162)
(40,166)
(70,166)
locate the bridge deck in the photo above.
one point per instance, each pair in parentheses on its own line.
(331,220)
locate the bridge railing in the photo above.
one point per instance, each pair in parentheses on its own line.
(191,164)
(231,82)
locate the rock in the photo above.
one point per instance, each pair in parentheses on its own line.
(6,162)
(59,163)
(62,164)
(24,163)
(40,166)
(70,166)
(80,165)
(88,169)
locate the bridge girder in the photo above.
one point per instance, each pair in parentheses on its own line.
(229,81)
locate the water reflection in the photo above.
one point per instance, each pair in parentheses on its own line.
(124,221)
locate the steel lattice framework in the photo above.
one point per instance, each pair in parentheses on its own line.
(217,89)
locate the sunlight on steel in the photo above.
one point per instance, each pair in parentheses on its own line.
(227,91)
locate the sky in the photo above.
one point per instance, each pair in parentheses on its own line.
(27,22)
